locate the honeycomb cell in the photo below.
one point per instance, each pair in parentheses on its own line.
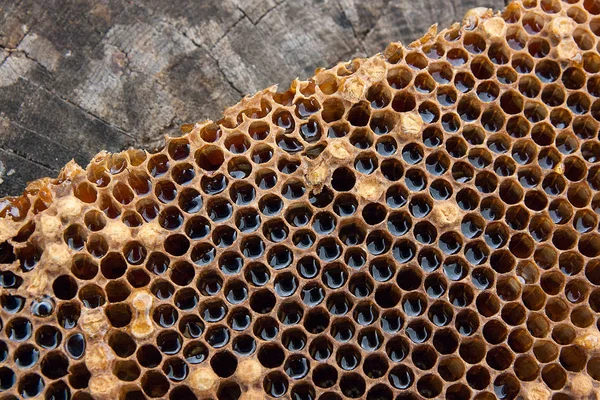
(429,386)
(420,224)
(31,385)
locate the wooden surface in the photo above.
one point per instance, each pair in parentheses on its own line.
(80,76)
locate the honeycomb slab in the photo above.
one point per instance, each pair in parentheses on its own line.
(418,224)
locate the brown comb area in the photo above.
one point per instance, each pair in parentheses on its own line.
(419,224)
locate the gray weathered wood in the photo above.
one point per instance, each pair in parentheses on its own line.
(79,76)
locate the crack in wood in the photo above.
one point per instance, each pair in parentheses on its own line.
(189,84)
(23,156)
(227,31)
(268,12)
(67,149)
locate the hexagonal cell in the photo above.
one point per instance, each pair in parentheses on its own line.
(420,224)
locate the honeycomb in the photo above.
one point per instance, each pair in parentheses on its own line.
(418,224)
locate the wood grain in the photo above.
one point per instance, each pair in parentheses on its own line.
(80,76)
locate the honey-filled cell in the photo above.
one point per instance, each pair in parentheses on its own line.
(418,224)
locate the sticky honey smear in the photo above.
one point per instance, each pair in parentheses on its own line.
(418,224)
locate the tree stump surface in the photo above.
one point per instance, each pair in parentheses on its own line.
(80,76)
